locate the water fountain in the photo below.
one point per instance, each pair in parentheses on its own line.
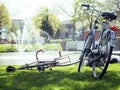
(24,38)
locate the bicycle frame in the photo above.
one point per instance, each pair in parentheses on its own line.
(112,38)
(90,39)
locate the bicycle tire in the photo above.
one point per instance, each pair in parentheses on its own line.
(107,63)
(87,46)
(100,68)
(81,63)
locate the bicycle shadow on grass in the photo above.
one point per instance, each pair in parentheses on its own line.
(65,80)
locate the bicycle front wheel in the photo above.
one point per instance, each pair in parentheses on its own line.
(82,61)
(85,52)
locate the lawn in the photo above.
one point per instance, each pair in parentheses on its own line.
(61,78)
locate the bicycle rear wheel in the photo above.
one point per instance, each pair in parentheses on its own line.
(99,68)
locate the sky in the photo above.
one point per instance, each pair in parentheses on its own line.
(21,9)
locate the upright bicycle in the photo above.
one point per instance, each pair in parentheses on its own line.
(98,55)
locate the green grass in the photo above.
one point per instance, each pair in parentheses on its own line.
(61,78)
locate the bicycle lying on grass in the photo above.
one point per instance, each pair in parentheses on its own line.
(98,55)
(47,60)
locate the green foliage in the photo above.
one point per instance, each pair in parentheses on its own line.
(54,45)
(5,20)
(13,28)
(86,15)
(82,14)
(12,48)
(113,6)
(61,78)
(7,48)
(56,41)
(47,21)
(46,26)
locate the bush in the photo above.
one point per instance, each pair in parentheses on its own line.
(12,48)
(7,48)
(56,41)
(59,40)
(31,47)
(52,46)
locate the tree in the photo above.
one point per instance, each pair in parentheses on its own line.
(13,28)
(5,21)
(44,20)
(78,14)
(84,14)
(115,7)
(46,26)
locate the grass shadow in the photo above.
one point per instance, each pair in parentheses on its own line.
(60,78)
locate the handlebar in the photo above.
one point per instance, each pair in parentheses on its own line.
(105,15)
(88,7)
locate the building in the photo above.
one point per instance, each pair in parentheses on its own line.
(66,30)
(97,34)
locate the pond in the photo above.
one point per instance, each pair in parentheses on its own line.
(16,58)
(21,58)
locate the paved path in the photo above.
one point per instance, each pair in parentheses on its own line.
(17,58)
(116,53)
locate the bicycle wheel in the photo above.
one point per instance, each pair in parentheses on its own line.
(99,68)
(85,52)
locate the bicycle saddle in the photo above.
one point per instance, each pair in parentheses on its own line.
(108,15)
